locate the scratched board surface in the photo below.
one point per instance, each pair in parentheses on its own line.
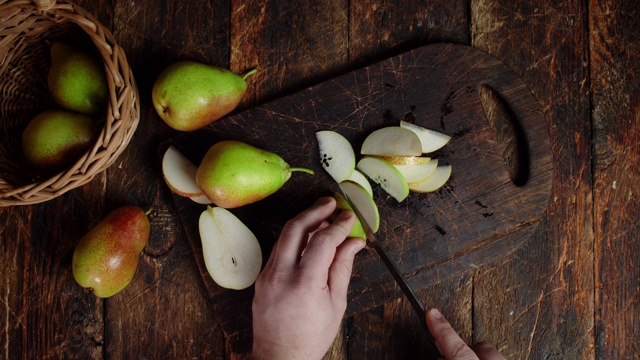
(479,216)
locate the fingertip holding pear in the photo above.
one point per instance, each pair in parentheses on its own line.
(233,173)
(106,258)
(189,95)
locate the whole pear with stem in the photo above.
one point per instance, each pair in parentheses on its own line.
(233,173)
(189,95)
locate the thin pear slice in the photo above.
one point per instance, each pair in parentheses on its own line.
(361,199)
(392,141)
(336,155)
(385,175)
(406,160)
(417,172)
(202,199)
(179,173)
(231,251)
(429,139)
(359,178)
(433,182)
(342,205)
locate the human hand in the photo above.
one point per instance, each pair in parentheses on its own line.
(301,295)
(451,345)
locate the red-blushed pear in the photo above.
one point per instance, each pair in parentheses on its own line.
(106,258)
(429,139)
(392,141)
(180,173)
(433,182)
(231,252)
(336,155)
(361,199)
(233,173)
(189,95)
(386,175)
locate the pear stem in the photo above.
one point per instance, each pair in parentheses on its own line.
(150,210)
(305,170)
(251,72)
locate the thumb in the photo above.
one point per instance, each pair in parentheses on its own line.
(340,269)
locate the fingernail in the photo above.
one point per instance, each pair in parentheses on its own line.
(345,215)
(435,314)
(361,244)
(324,200)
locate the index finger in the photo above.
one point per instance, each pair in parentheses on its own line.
(448,341)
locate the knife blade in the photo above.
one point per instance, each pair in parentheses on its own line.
(406,289)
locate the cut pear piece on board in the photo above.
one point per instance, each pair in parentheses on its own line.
(392,141)
(430,140)
(361,199)
(417,172)
(232,254)
(179,173)
(406,160)
(202,199)
(341,205)
(336,155)
(386,175)
(359,178)
(433,182)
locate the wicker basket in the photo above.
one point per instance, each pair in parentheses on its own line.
(27,28)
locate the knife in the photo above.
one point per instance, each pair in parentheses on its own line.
(406,289)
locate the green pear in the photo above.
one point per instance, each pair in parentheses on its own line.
(77,80)
(189,95)
(106,258)
(233,173)
(56,138)
(342,205)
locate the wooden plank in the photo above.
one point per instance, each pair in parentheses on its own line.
(540,304)
(615,67)
(163,308)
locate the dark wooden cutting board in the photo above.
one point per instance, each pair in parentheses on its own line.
(480,216)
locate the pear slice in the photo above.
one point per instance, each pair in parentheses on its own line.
(179,173)
(385,175)
(406,160)
(359,178)
(417,172)
(361,199)
(392,141)
(231,251)
(433,182)
(341,205)
(202,199)
(430,140)
(336,155)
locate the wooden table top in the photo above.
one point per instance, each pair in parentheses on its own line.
(569,292)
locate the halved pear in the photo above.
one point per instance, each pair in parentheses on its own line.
(429,139)
(417,172)
(179,173)
(392,141)
(336,155)
(433,182)
(231,251)
(406,160)
(361,199)
(385,175)
(359,178)
(341,205)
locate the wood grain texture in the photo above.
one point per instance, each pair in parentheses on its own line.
(542,300)
(616,116)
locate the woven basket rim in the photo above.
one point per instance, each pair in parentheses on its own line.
(122,111)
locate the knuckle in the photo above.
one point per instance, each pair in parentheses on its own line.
(461,351)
